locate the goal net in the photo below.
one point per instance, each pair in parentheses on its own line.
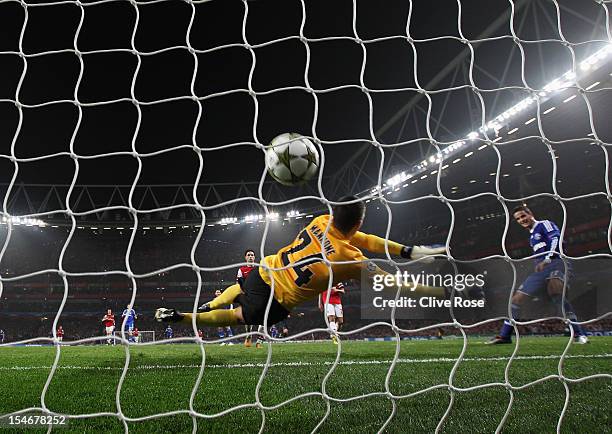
(441,119)
(137,338)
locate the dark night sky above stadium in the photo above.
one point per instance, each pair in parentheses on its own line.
(342,114)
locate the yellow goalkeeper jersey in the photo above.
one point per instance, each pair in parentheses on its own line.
(298,283)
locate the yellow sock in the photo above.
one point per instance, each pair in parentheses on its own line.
(226,298)
(219,318)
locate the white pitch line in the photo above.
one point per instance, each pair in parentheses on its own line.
(305,364)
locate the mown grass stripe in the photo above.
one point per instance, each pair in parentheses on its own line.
(306,364)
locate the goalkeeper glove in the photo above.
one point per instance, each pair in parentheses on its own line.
(418,252)
(168,315)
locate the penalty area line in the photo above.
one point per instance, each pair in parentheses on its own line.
(306,364)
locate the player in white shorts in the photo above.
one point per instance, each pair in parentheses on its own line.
(109,325)
(333,309)
(336,311)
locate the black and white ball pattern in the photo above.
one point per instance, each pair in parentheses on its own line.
(292,159)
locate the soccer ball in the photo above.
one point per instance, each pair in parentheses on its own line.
(292,159)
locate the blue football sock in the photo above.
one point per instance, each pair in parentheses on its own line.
(569,314)
(507,329)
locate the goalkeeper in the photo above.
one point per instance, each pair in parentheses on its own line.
(305,275)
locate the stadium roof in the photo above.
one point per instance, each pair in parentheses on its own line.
(271,57)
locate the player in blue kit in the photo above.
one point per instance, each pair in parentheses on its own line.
(168,333)
(227,330)
(548,278)
(131,316)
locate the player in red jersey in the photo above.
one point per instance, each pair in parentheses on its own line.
(135,335)
(333,308)
(243,272)
(109,325)
(60,333)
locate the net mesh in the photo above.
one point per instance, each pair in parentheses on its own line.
(486,136)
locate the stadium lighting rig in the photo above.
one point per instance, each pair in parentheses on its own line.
(408,177)
(225,221)
(565,81)
(25,221)
(252,218)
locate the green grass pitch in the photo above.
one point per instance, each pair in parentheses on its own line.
(160,379)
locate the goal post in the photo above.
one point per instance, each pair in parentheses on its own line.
(144,336)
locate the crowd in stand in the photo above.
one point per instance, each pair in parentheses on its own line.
(85,326)
(28,306)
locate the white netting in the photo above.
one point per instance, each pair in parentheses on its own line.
(486,136)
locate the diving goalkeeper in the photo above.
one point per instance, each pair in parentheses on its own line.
(305,275)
